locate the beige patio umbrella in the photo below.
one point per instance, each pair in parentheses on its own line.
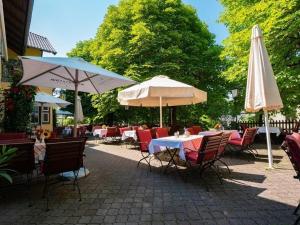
(161,91)
(262,91)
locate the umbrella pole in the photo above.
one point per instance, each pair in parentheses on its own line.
(76,105)
(160,112)
(270,156)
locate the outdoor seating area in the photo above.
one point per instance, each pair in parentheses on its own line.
(161,112)
(118,192)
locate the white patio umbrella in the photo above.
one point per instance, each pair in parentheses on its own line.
(79,113)
(70,73)
(42,99)
(161,91)
(262,91)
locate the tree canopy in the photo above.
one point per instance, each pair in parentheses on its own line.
(141,39)
(280,23)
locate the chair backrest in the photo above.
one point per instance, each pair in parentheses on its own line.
(244,126)
(144,139)
(135,128)
(293,152)
(63,156)
(209,148)
(23,161)
(122,129)
(162,132)
(197,129)
(12,136)
(190,130)
(81,131)
(111,132)
(249,135)
(223,143)
(153,132)
(297,137)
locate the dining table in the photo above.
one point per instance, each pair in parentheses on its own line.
(171,144)
(100,132)
(129,134)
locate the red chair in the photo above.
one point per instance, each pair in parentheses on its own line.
(190,130)
(246,142)
(145,138)
(291,146)
(223,144)
(206,155)
(111,133)
(197,129)
(162,132)
(62,157)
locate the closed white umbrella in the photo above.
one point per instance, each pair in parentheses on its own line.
(262,91)
(161,91)
(79,113)
(71,74)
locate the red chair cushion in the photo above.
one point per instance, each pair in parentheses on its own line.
(237,141)
(296,137)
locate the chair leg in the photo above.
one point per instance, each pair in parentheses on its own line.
(76,183)
(297,208)
(145,158)
(215,169)
(225,164)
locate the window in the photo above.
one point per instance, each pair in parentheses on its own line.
(35,115)
(45,115)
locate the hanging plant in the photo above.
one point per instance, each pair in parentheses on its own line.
(19,100)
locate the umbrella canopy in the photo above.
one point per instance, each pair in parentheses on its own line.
(262,91)
(69,73)
(43,99)
(63,113)
(79,112)
(161,91)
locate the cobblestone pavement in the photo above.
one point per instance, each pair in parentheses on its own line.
(117,192)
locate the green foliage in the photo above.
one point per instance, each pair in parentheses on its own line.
(141,39)
(68,121)
(19,100)
(280,22)
(5,156)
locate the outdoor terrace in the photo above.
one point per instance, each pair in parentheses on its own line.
(117,192)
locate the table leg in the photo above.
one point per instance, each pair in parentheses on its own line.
(171,161)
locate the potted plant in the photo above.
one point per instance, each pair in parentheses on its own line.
(5,155)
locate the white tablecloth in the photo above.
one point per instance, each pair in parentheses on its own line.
(192,142)
(273,130)
(129,134)
(100,132)
(67,131)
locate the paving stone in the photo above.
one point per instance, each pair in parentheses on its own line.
(116,192)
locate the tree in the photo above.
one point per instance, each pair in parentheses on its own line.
(280,22)
(142,38)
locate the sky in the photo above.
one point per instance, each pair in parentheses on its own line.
(66,22)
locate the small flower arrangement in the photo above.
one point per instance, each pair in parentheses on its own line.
(218,126)
(42,134)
